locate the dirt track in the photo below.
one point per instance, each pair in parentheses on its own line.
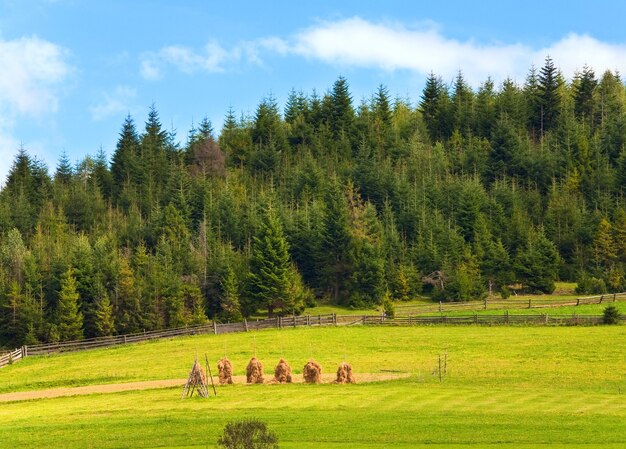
(167,383)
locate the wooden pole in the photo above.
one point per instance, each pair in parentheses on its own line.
(210,374)
(440,368)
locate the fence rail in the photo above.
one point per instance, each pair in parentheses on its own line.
(503,319)
(503,304)
(11,357)
(212,328)
(404,317)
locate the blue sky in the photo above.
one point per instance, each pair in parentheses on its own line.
(71,70)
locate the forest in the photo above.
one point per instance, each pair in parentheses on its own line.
(325,200)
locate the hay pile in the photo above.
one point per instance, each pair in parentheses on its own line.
(197,374)
(282,372)
(225,370)
(254,371)
(312,372)
(344,374)
(196,381)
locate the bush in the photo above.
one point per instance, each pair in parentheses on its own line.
(611,315)
(505,292)
(590,285)
(388,308)
(247,434)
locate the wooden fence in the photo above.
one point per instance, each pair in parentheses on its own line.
(11,357)
(211,328)
(480,319)
(404,317)
(511,303)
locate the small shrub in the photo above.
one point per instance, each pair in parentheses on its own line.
(388,308)
(590,286)
(505,292)
(247,434)
(611,315)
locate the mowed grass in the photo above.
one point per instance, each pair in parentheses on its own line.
(506,386)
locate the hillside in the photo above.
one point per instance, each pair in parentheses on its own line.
(322,201)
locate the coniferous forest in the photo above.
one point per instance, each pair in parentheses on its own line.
(326,199)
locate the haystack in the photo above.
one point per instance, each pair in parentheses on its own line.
(196,381)
(282,372)
(254,371)
(312,372)
(225,370)
(344,374)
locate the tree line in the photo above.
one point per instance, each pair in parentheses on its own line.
(329,200)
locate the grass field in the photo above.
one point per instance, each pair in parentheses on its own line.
(515,387)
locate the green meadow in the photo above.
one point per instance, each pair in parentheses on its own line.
(512,387)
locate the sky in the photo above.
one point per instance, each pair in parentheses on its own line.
(71,70)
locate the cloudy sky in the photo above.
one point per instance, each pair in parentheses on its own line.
(71,70)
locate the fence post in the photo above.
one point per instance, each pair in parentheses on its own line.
(334,318)
(529,300)
(614,296)
(601,298)
(124,339)
(485,303)
(577,301)
(440,308)
(245,324)
(546,318)
(308,320)
(214,327)
(409,319)
(319,320)
(294,319)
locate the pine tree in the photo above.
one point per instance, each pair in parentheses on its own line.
(604,251)
(429,105)
(342,110)
(127,306)
(268,278)
(463,105)
(536,264)
(549,105)
(335,240)
(125,165)
(104,322)
(64,172)
(69,317)
(486,113)
(584,87)
(230,305)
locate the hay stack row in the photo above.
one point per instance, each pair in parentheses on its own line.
(312,372)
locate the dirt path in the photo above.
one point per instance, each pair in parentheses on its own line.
(166,383)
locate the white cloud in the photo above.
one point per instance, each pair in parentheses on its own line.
(211,59)
(394,46)
(32,71)
(120,101)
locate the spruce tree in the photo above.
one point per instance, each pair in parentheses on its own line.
(268,278)
(104,322)
(342,110)
(549,105)
(537,264)
(69,317)
(584,87)
(230,305)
